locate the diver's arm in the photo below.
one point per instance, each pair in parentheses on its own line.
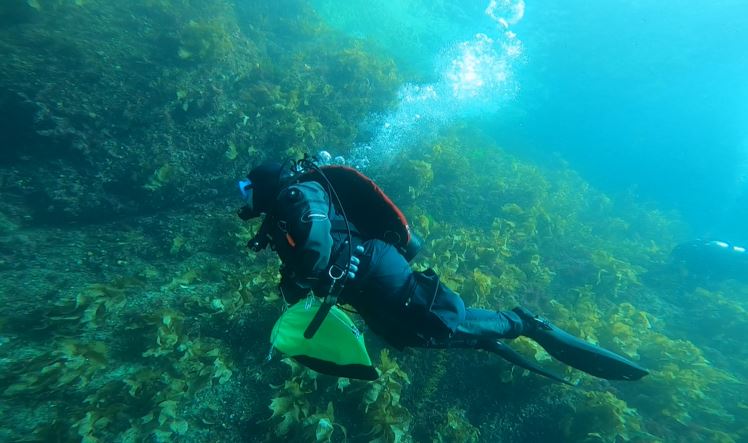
(290,290)
(304,208)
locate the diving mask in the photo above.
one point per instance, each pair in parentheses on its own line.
(246,187)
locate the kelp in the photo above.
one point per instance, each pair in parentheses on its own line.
(164,338)
(389,419)
(557,246)
(456,427)
(601,417)
(518,254)
(290,405)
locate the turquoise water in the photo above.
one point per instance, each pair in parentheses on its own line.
(637,95)
(551,155)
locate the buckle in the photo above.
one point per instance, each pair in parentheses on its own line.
(336,272)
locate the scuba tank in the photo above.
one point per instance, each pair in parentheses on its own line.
(364,204)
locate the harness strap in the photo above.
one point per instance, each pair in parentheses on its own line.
(337,224)
(338,275)
(324,309)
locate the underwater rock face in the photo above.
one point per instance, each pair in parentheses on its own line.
(151,105)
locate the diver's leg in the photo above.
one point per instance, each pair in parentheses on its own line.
(485,324)
(379,291)
(482,329)
(385,281)
(382,280)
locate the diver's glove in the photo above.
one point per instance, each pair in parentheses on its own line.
(343,270)
(294,289)
(354,262)
(261,240)
(258,242)
(291,290)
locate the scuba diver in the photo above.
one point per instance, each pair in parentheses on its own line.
(712,259)
(342,241)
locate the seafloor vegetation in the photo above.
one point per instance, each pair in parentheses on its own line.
(131,310)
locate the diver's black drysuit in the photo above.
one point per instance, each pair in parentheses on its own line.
(404,307)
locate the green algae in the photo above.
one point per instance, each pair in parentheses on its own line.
(159,332)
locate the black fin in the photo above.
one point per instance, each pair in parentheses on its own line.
(578,353)
(513,357)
